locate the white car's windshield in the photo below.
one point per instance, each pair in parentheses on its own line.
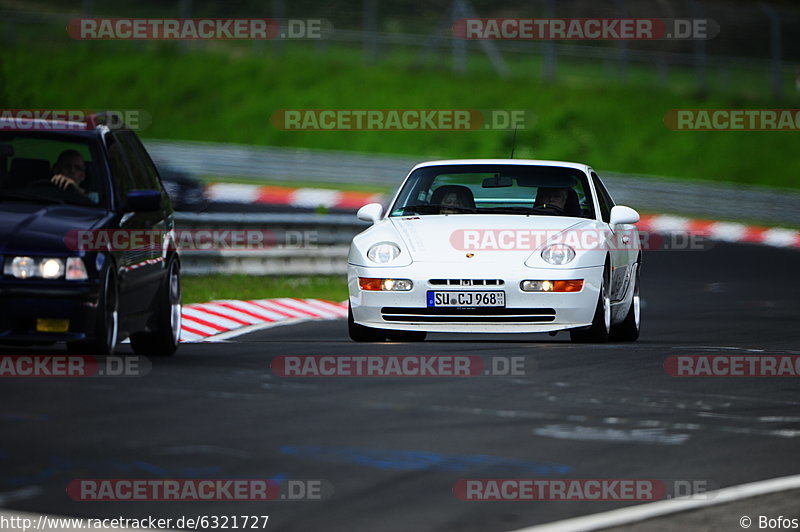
(495,189)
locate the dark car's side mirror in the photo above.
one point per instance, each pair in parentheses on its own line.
(143,201)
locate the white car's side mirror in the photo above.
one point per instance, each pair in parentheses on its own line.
(372,212)
(621,215)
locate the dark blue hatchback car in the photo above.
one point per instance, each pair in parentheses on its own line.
(87,250)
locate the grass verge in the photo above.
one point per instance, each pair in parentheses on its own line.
(204,288)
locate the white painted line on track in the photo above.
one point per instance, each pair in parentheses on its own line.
(641,512)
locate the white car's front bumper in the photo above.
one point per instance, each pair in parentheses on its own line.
(524,312)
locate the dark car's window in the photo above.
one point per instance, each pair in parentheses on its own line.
(150,170)
(493,189)
(139,173)
(33,158)
(145,174)
(121,175)
(603,198)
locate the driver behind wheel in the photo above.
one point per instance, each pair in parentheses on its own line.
(552,199)
(453,199)
(69,172)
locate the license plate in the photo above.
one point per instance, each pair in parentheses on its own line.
(466,299)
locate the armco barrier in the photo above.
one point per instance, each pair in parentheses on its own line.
(320,249)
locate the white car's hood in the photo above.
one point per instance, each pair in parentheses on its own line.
(489,238)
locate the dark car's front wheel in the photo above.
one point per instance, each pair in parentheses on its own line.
(106,329)
(163,338)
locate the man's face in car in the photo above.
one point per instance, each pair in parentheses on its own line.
(451,198)
(74,168)
(553,196)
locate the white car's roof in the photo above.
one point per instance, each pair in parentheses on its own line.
(529,162)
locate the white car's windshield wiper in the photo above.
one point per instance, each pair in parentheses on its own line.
(434,208)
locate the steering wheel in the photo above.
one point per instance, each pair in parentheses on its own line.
(46,183)
(39,182)
(549,208)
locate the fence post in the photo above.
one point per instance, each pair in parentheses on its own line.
(775,50)
(700,59)
(663,70)
(185,12)
(278,13)
(549,59)
(622,45)
(488,47)
(459,46)
(370,31)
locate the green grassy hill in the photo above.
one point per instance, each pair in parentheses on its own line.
(228,94)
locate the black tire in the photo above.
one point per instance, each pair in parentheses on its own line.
(628,330)
(407,336)
(360,333)
(164,338)
(601,321)
(106,329)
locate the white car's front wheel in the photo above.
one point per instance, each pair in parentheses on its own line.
(600,329)
(360,333)
(407,336)
(628,330)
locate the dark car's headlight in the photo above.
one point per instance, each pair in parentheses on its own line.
(21,267)
(46,268)
(51,268)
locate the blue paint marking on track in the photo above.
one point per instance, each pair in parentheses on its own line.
(420,460)
(59,466)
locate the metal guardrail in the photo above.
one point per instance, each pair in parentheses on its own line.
(281,164)
(299,244)
(320,261)
(643,192)
(326,252)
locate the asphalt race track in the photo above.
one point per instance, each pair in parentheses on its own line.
(393,448)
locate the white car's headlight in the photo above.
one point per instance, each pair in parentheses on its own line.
(558,254)
(383,252)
